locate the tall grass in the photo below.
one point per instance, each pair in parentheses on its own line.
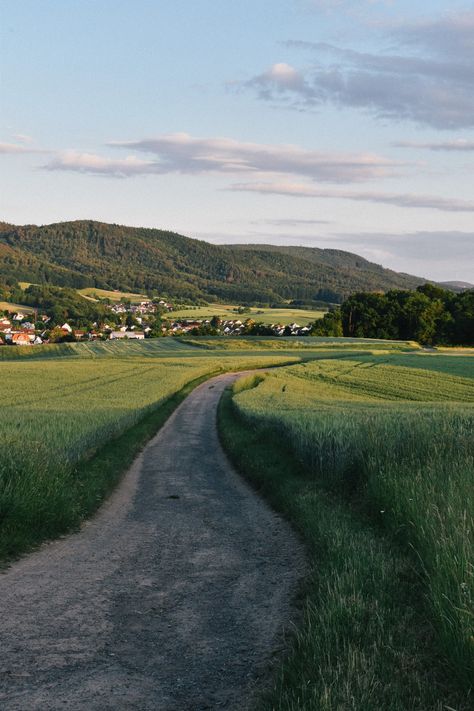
(409,466)
(58,412)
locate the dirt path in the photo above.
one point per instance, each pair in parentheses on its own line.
(172,598)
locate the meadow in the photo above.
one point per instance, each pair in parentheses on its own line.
(366,446)
(284,316)
(377,475)
(63,404)
(93,292)
(9,306)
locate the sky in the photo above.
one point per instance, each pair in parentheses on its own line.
(346,124)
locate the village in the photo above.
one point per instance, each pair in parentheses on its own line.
(147,319)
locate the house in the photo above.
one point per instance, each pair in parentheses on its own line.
(136,335)
(21,339)
(66,327)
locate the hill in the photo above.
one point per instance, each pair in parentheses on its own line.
(456,285)
(84,254)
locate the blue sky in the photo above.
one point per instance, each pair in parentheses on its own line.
(330,123)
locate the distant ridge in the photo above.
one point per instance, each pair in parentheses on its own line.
(456,285)
(87,253)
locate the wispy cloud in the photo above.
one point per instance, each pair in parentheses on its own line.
(182,153)
(23,138)
(399,200)
(93,164)
(428,79)
(440,255)
(346,4)
(290,222)
(459,145)
(18,148)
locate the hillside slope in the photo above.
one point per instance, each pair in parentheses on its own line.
(86,253)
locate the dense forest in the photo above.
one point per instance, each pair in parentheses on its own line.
(430,315)
(84,253)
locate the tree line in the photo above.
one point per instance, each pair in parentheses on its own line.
(429,314)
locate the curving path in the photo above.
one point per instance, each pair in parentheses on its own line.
(173,598)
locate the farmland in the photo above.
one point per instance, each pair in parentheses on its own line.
(284,316)
(8,306)
(115,295)
(371,457)
(62,403)
(365,445)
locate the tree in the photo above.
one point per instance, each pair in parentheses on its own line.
(329,325)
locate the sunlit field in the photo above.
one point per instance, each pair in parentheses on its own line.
(366,446)
(392,437)
(266,315)
(61,403)
(95,293)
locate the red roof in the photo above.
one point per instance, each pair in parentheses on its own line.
(20,338)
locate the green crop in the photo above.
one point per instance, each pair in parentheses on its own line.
(398,440)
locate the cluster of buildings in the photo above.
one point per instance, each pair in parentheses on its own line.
(18,330)
(236,327)
(142,309)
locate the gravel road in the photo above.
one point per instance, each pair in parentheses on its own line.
(172,598)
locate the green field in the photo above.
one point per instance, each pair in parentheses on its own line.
(229,311)
(366,446)
(63,402)
(385,488)
(8,306)
(94,293)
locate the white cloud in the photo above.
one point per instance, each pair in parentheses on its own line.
(91,163)
(459,145)
(399,200)
(290,222)
(16,148)
(429,79)
(182,153)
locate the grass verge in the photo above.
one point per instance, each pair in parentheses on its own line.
(89,483)
(366,641)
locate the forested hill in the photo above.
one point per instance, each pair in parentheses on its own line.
(85,253)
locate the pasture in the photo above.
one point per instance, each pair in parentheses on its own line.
(283,316)
(9,306)
(93,292)
(386,450)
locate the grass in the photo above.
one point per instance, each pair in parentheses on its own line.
(350,430)
(373,464)
(229,311)
(9,306)
(307,343)
(60,407)
(63,498)
(95,293)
